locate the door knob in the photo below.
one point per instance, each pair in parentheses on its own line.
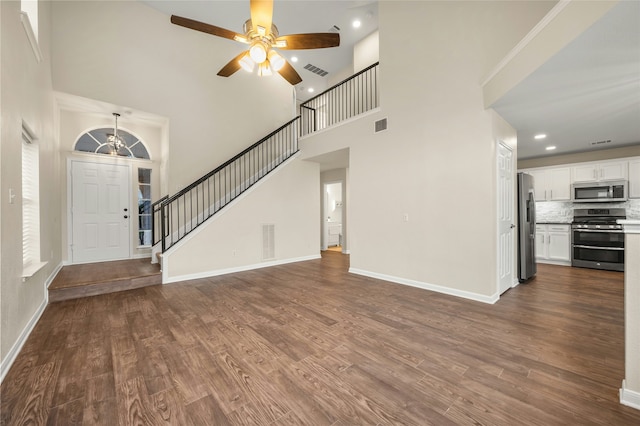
(126,217)
(512,226)
(126,209)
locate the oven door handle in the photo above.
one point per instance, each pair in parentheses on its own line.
(614,231)
(598,248)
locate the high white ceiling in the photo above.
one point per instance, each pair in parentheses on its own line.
(587,93)
(291,17)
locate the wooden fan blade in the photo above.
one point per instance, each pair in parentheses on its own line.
(262,15)
(309,41)
(290,74)
(232,66)
(205,28)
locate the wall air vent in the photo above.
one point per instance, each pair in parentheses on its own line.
(316,70)
(268,241)
(380,125)
(601,142)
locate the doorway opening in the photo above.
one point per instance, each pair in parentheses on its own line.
(333,216)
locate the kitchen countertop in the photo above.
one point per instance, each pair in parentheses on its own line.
(553,223)
(631,226)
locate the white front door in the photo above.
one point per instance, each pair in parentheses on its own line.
(506,224)
(100,212)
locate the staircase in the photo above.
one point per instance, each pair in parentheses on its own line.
(177,216)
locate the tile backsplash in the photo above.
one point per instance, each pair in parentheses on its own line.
(562,211)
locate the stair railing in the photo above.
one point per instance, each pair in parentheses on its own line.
(177,216)
(349,98)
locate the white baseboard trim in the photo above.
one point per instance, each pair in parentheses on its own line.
(426,286)
(7,362)
(554,262)
(142,256)
(516,283)
(53,275)
(168,280)
(629,397)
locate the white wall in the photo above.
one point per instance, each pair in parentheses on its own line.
(436,161)
(25,94)
(127,53)
(366,52)
(232,240)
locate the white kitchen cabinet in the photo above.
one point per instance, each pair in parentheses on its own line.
(634,178)
(552,184)
(553,244)
(597,172)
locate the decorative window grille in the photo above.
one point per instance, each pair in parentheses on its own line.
(144,207)
(95,141)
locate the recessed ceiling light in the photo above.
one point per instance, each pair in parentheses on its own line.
(356,23)
(550,148)
(310,90)
(294,59)
(540,136)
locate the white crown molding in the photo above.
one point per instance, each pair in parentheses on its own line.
(548,18)
(26,24)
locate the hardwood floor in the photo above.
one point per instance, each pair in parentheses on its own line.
(310,344)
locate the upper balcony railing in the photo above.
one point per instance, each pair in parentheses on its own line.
(349,98)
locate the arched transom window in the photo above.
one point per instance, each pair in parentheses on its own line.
(97,141)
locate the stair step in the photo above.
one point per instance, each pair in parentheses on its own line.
(76,281)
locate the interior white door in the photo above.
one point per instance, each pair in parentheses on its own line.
(100,212)
(506,221)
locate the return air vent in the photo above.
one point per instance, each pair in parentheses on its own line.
(601,142)
(316,70)
(268,242)
(380,125)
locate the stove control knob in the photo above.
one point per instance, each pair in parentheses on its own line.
(597,226)
(612,226)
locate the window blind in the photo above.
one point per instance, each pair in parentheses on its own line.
(30,201)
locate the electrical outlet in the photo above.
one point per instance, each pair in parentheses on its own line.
(234,252)
(405,217)
(12,195)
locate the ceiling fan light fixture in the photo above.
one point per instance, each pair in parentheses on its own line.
(276,61)
(247,63)
(264,69)
(262,31)
(258,52)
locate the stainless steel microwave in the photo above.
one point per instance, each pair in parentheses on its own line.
(599,191)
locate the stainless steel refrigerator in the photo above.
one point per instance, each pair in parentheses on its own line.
(526,227)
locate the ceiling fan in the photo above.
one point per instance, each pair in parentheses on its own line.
(263,39)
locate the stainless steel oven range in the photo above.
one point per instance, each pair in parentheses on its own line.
(597,241)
